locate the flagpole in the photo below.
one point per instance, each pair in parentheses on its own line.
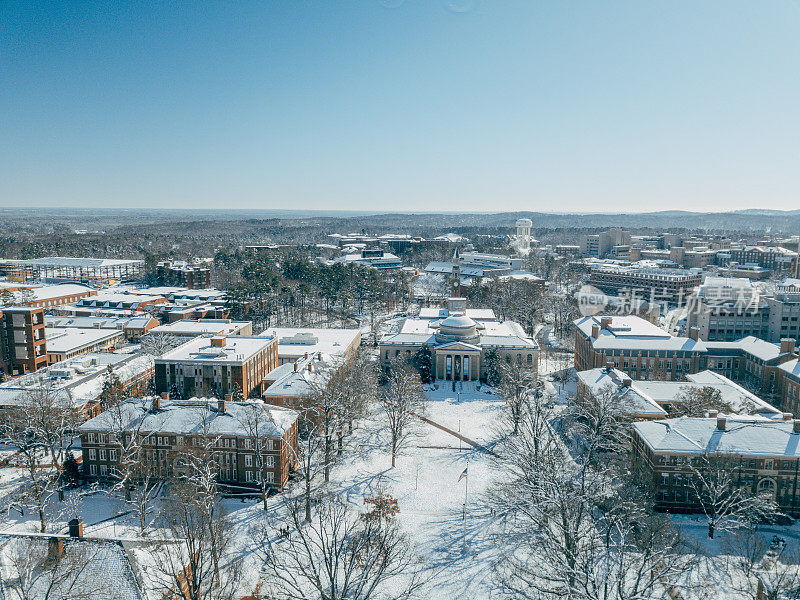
(466,488)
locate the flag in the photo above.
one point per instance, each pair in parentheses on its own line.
(463,474)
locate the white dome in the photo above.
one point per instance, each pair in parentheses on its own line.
(457,322)
(524,223)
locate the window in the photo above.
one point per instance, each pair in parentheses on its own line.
(248,476)
(270,476)
(248,443)
(112,455)
(270,461)
(93,469)
(102,453)
(248,461)
(92,454)
(103,470)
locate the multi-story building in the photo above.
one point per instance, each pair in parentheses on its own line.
(67,342)
(204,327)
(645,351)
(648,400)
(636,347)
(53,295)
(727,309)
(193,276)
(98,270)
(80,380)
(645,282)
(762,455)
(784,311)
(600,244)
(789,385)
(217,366)
(168,430)
(121,301)
(773,258)
(461,341)
(23,347)
(295,343)
(133,327)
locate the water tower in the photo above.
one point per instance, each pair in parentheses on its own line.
(524,235)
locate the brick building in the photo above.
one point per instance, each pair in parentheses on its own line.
(167,430)
(763,457)
(194,276)
(645,282)
(217,366)
(22,340)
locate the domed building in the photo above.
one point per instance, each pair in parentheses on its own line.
(459,339)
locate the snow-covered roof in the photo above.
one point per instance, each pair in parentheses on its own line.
(476,314)
(63,261)
(237,349)
(791,367)
(97,322)
(80,378)
(634,333)
(194,416)
(296,341)
(757,347)
(62,340)
(752,436)
(630,398)
(102,569)
(304,383)
(197,327)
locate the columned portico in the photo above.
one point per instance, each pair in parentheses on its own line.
(457,361)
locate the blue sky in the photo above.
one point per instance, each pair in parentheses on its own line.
(392,105)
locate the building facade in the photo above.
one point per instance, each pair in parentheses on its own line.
(762,456)
(165,431)
(23,347)
(461,341)
(217,366)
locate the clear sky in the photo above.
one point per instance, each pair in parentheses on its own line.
(391,105)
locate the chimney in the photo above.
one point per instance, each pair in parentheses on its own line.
(605,322)
(694,333)
(595,331)
(157,400)
(796,426)
(295,367)
(221,402)
(319,355)
(787,416)
(55,548)
(218,342)
(627,382)
(712,414)
(721,422)
(787,345)
(309,367)
(306,355)
(76,528)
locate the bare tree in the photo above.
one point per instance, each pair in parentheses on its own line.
(715,482)
(187,557)
(601,423)
(309,448)
(40,569)
(696,402)
(341,555)
(156,344)
(517,384)
(259,429)
(41,429)
(402,398)
(138,473)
